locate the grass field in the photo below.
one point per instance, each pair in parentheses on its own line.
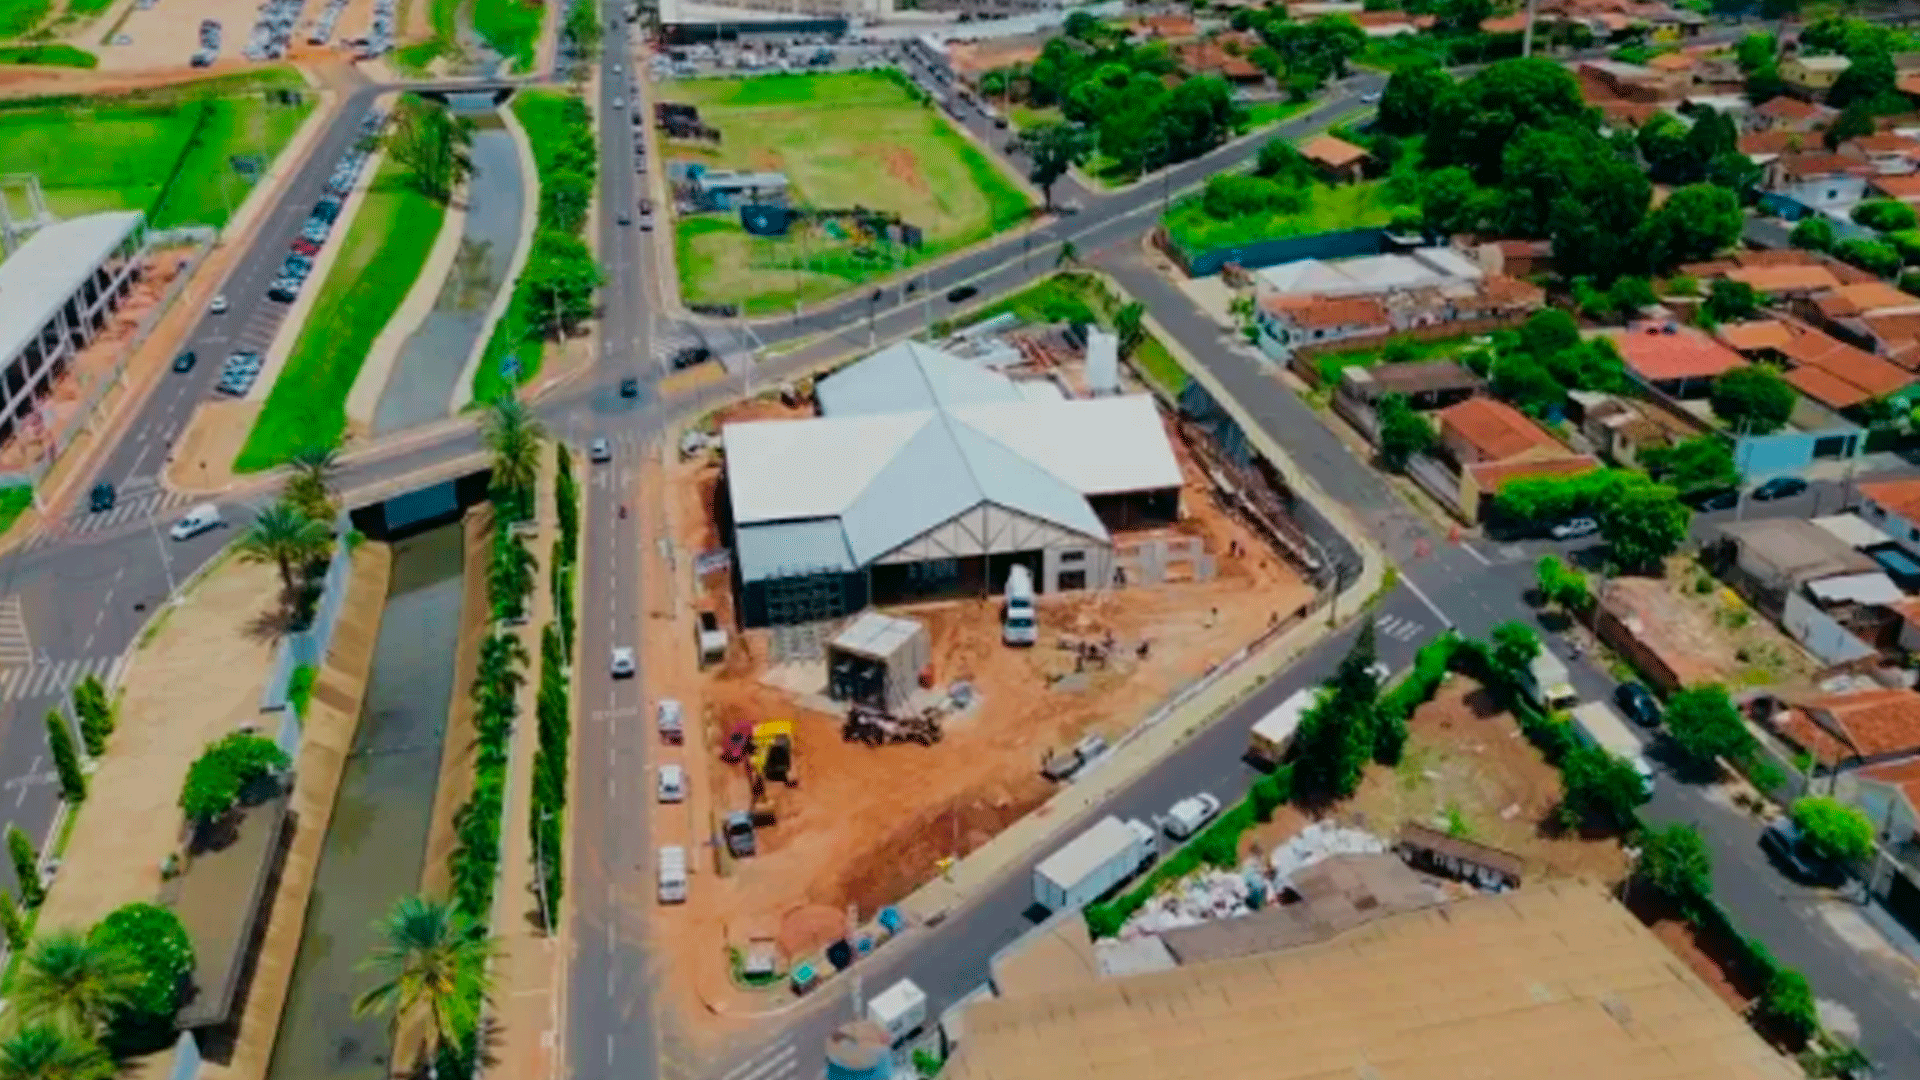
(380,256)
(166,154)
(19,17)
(510,27)
(14,501)
(843,140)
(55,55)
(1331,208)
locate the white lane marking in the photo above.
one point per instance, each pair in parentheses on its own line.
(1427,600)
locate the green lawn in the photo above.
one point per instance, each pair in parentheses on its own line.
(14,501)
(55,55)
(380,256)
(1026,116)
(510,27)
(1405,350)
(85,9)
(1262,113)
(165,153)
(18,17)
(1331,208)
(1078,298)
(844,140)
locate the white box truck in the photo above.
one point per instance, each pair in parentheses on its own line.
(901,1009)
(1093,863)
(1547,684)
(1017,623)
(1272,734)
(1596,724)
(673,875)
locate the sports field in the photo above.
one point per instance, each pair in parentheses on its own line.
(169,152)
(844,140)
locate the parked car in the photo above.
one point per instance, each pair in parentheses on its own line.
(961,294)
(184,362)
(1575,528)
(1187,816)
(1782,840)
(218,306)
(629,388)
(622,666)
(101,497)
(198,520)
(690,356)
(1780,487)
(671,784)
(307,247)
(1724,499)
(1638,703)
(599,450)
(624,219)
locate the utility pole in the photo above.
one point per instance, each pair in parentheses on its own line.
(1526,38)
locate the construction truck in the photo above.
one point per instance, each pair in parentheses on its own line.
(772,752)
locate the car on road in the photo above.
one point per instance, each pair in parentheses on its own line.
(1782,840)
(1372,98)
(1724,499)
(671,784)
(961,294)
(218,305)
(624,219)
(184,362)
(619,103)
(198,520)
(1780,487)
(1638,703)
(690,356)
(599,450)
(101,497)
(622,666)
(1187,816)
(629,388)
(1574,528)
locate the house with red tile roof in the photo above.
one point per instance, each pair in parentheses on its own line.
(1847,731)
(1818,180)
(1904,188)
(1492,443)
(1894,505)
(1841,377)
(1213,58)
(1338,160)
(1791,114)
(1677,360)
(1889,154)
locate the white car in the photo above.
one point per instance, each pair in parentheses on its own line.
(599,450)
(622,663)
(1187,816)
(619,103)
(1575,528)
(219,305)
(198,520)
(671,784)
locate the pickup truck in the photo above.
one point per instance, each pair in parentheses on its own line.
(1061,765)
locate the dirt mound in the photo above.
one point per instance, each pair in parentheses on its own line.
(905,859)
(806,930)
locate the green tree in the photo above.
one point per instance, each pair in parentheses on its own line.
(26,867)
(513,437)
(1788,1002)
(1675,861)
(1052,149)
(74,984)
(1472,124)
(1561,585)
(1731,301)
(1406,105)
(1854,121)
(1548,332)
(1129,325)
(1598,788)
(509,575)
(310,485)
(559,282)
(1813,234)
(433,143)
(1701,463)
(432,963)
(1694,223)
(1756,51)
(1403,432)
(1753,400)
(11,923)
(1873,256)
(1336,735)
(287,538)
(157,942)
(1514,645)
(66,763)
(224,770)
(90,704)
(1643,525)
(1450,201)
(39,1051)
(1834,830)
(1704,725)
(564,198)
(1869,80)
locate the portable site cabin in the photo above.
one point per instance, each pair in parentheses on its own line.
(877,661)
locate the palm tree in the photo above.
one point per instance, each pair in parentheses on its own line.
(432,961)
(41,1051)
(513,437)
(74,983)
(287,538)
(310,484)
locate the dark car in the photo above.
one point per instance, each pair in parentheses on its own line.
(1716,500)
(625,220)
(1783,841)
(1780,487)
(629,388)
(962,294)
(690,356)
(101,497)
(1638,703)
(184,362)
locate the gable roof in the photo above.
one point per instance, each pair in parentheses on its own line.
(1806,165)
(910,376)
(1864,298)
(1496,430)
(1657,356)
(1754,335)
(1825,387)
(1904,188)
(1901,497)
(1331,151)
(1873,376)
(1865,724)
(1799,277)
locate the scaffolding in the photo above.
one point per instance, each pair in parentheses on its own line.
(802,610)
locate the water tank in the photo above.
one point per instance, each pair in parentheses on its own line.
(859,1051)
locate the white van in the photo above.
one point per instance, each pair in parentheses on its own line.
(198,520)
(1018,625)
(673,875)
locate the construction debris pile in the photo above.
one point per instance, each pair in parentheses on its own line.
(1228,894)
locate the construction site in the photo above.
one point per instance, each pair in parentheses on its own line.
(862,694)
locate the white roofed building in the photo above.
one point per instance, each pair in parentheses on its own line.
(927,475)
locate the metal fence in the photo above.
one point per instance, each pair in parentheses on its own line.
(1345,244)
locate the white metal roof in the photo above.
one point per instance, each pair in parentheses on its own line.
(50,267)
(876,635)
(910,376)
(1873,588)
(1099,446)
(1853,530)
(1421,268)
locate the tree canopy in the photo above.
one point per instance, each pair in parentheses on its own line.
(1643,524)
(1703,723)
(224,770)
(1753,400)
(1473,124)
(1834,830)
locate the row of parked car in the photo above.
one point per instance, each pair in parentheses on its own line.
(239,372)
(313,235)
(209,43)
(379,39)
(322,30)
(274,30)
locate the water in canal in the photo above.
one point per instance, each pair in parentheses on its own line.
(422,382)
(376,844)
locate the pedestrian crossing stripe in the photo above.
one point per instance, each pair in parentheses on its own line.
(126,509)
(780,1060)
(1399,628)
(56,679)
(16,645)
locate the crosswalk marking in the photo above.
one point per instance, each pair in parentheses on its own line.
(16,646)
(781,1059)
(57,678)
(1399,628)
(152,503)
